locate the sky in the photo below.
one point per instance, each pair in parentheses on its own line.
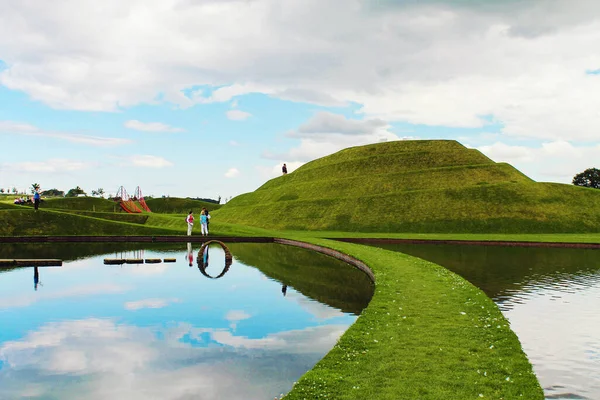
(207,98)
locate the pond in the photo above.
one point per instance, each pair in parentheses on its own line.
(170,330)
(551,297)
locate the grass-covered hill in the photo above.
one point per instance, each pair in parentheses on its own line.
(175,205)
(97,216)
(414,186)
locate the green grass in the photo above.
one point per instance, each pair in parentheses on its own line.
(415,186)
(175,205)
(80,203)
(50,222)
(426,334)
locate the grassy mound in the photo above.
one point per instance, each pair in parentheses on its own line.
(414,186)
(80,203)
(175,205)
(46,222)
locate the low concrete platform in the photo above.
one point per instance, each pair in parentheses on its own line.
(114,261)
(24,262)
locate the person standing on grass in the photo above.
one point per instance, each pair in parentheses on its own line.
(205,211)
(190,221)
(36,199)
(284,169)
(204,223)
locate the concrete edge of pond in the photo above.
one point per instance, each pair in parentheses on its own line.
(134,239)
(268,239)
(506,243)
(330,252)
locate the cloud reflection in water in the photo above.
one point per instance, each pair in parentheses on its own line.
(104,359)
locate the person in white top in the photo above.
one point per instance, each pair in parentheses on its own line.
(190,221)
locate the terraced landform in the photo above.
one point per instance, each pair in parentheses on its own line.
(417,187)
(427,333)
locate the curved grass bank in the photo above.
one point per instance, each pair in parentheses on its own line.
(426,334)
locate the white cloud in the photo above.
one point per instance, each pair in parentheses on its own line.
(10,127)
(25,300)
(149,303)
(309,96)
(233,143)
(325,123)
(151,126)
(114,360)
(148,161)
(275,170)
(432,62)
(237,315)
(325,133)
(234,316)
(232,173)
(54,165)
(318,339)
(238,115)
(556,161)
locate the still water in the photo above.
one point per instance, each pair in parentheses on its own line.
(551,297)
(170,331)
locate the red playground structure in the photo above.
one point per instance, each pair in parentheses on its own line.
(128,203)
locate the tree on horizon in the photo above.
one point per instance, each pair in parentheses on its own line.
(588,178)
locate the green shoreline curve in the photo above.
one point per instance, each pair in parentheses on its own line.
(426,334)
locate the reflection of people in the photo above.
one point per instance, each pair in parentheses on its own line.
(36,199)
(204,223)
(284,290)
(190,221)
(36,278)
(205,257)
(284,169)
(190,255)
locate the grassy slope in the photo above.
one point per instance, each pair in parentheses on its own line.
(174,205)
(27,222)
(80,203)
(415,186)
(427,334)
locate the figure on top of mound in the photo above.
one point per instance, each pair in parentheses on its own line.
(284,169)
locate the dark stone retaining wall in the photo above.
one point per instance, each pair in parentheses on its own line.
(332,253)
(470,242)
(141,239)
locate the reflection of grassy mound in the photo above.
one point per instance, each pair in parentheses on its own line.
(175,205)
(414,186)
(333,282)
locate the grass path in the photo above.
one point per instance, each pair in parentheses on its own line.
(426,334)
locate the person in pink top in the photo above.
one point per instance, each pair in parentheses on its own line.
(190,221)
